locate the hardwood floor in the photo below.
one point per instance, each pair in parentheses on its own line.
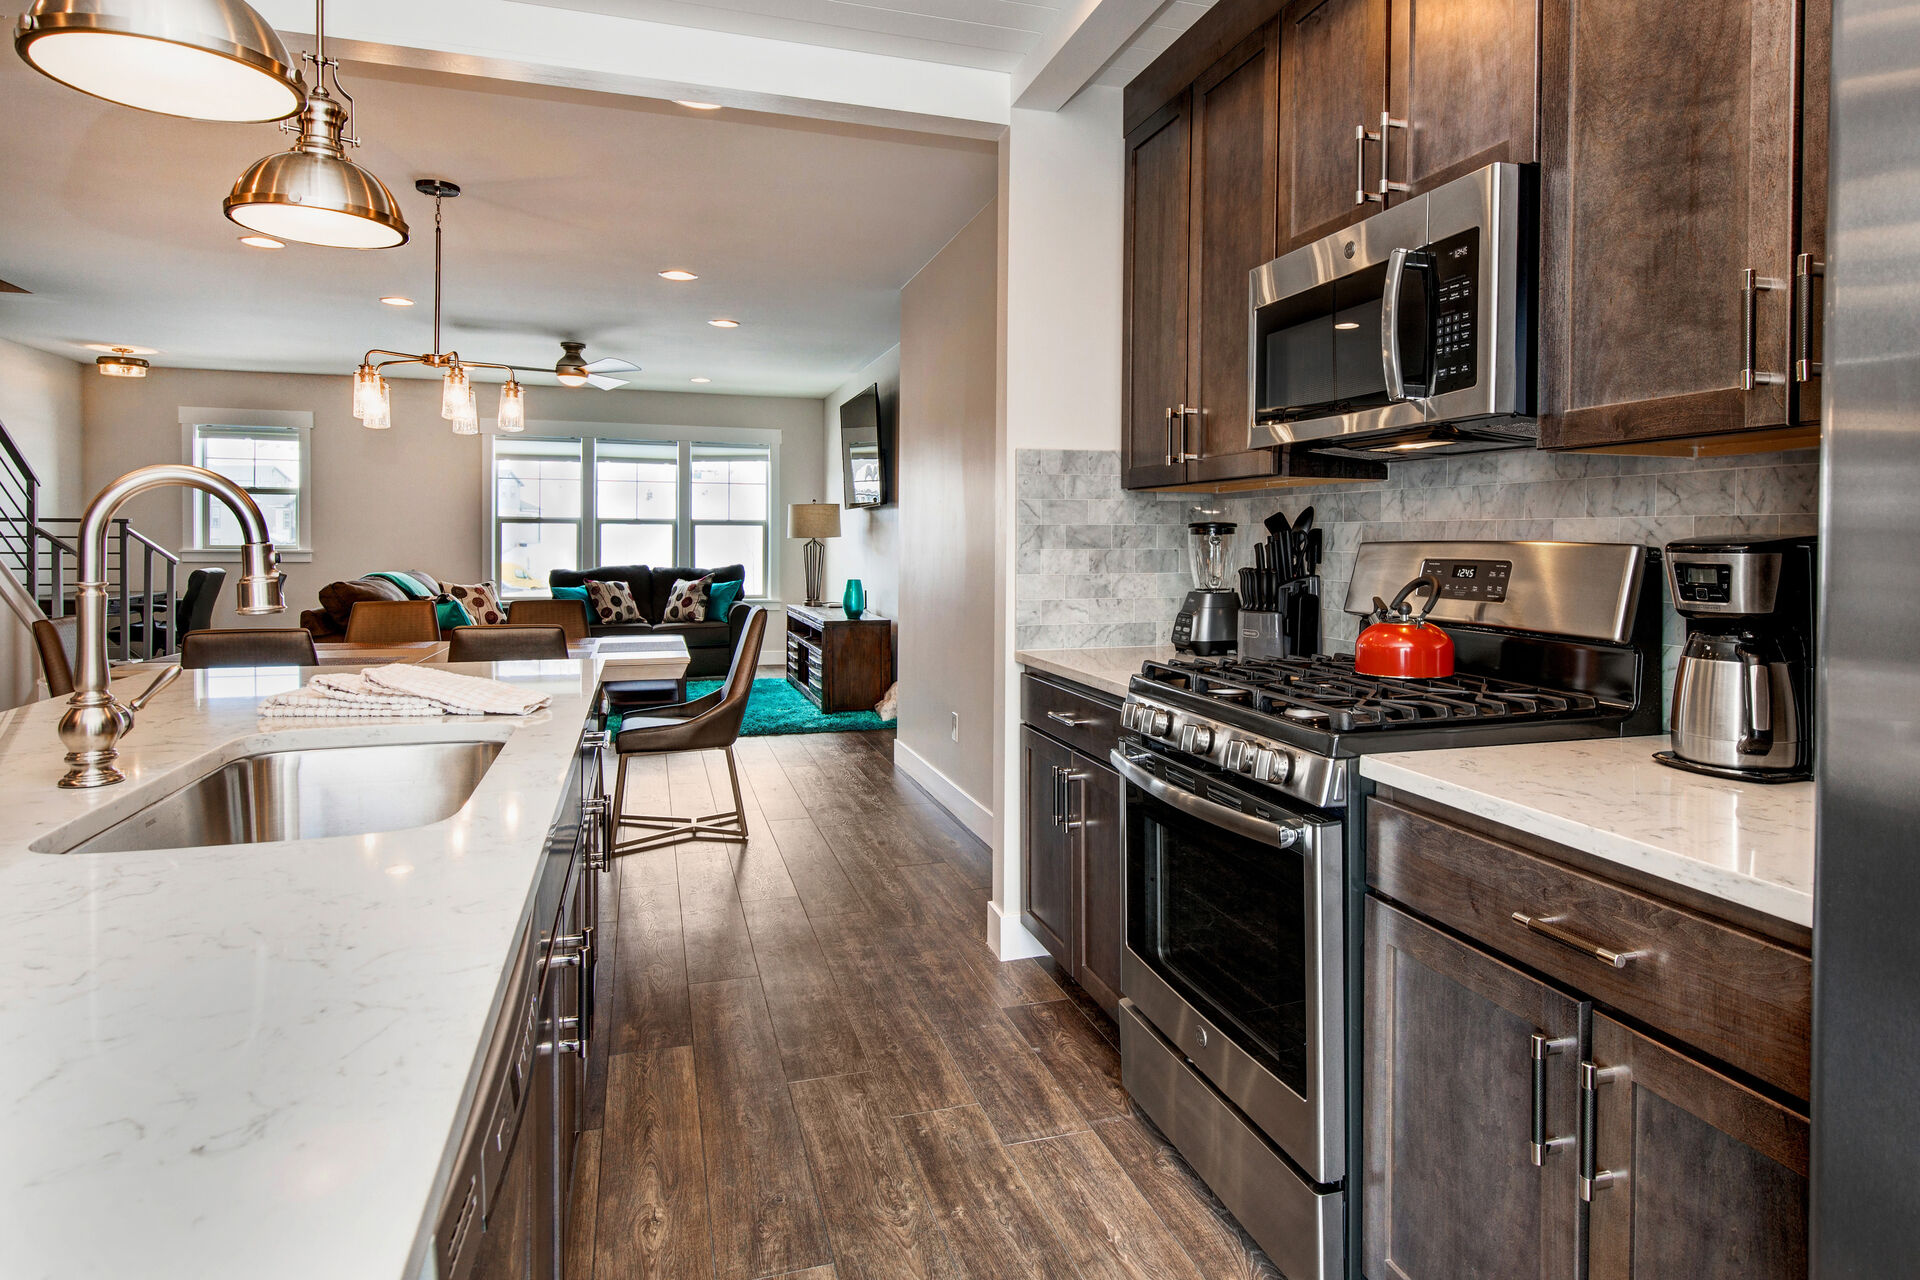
(815,1069)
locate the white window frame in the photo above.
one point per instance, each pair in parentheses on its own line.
(193,417)
(590,433)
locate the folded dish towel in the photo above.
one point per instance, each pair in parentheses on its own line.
(402,690)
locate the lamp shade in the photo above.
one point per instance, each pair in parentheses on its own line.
(203,59)
(314,194)
(813,520)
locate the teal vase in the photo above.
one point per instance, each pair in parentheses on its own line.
(855,601)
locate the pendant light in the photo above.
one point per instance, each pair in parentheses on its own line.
(513,406)
(121,364)
(466,419)
(371,403)
(312,193)
(455,391)
(202,59)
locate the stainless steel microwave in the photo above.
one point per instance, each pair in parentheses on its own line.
(1409,333)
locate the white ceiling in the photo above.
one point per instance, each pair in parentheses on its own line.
(803,231)
(993,34)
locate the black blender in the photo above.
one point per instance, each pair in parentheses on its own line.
(1208,623)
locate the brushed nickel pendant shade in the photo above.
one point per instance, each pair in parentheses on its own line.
(201,59)
(312,193)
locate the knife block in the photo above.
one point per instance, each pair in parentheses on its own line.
(1292,631)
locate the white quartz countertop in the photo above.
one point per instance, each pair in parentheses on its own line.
(249,1060)
(1740,842)
(1107,670)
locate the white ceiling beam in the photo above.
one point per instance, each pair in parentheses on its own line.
(1070,55)
(535,44)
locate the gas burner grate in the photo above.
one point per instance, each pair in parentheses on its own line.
(1325,692)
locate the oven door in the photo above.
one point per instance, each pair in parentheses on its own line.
(1235,940)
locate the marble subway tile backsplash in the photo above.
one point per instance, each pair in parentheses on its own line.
(1099,566)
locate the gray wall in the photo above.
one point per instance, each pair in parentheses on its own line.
(868,547)
(409,496)
(40,408)
(1099,566)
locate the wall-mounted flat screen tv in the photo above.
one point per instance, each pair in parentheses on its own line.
(864,451)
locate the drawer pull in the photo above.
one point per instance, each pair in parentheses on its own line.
(1061,717)
(1551,930)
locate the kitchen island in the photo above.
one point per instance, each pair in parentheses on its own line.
(255,1059)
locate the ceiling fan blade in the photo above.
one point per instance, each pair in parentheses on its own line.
(613,364)
(605,384)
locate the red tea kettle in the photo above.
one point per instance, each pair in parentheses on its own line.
(1401,646)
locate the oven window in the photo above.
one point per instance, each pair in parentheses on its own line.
(1223,920)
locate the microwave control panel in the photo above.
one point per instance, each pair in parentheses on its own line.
(1479,581)
(1456,338)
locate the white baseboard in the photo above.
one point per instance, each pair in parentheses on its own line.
(971,814)
(1008,937)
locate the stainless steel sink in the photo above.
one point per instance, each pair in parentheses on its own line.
(301,795)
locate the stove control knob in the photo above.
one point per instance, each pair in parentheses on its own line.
(1196,739)
(1272,766)
(1158,724)
(1238,758)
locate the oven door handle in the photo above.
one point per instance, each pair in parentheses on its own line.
(1278,834)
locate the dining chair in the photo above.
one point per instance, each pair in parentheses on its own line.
(248,647)
(507,642)
(710,723)
(57,644)
(570,614)
(393,622)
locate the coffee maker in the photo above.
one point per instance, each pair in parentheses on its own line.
(1742,698)
(1208,623)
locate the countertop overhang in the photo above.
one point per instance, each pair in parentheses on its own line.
(250,1060)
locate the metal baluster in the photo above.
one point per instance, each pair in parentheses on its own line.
(149,622)
(126,631)
(173,609)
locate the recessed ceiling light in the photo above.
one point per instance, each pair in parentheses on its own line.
(395,300)
(696,106)
(262,242)
(677,274)
(1348,324)
(724,324)
(703,379)
(109,349)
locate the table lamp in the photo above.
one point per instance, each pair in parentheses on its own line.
(814,521)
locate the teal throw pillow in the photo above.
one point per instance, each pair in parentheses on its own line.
(573,593)
(720,599)
(453,614)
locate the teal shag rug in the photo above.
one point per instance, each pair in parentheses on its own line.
(776,707)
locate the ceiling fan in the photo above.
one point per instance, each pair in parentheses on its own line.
(574,371)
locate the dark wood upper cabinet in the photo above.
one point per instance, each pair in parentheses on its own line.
(1809,270)
(1668,144)
(1451,1113)
(1709,1179)
(1235,155)
(1462,89)
(1333,87)
(1155,359)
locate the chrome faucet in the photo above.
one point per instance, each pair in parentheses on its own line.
(95,720)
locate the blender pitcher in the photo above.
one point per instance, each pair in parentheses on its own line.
(1209,621)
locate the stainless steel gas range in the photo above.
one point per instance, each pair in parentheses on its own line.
(1245,861)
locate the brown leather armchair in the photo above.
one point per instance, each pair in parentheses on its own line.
(710,723)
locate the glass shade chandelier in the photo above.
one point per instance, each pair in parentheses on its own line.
(372,402)
(312,193)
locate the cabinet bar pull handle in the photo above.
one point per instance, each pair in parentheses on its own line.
(1752,284)
(1168,419)
(1361,137)
(1592,1178)
(1538,1143)
(1077,824)
(1061,717)
(1196,412)
(1805,271)
(1551,929)
(1387,125)
(1059,788)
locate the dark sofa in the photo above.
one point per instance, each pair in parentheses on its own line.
(710,644)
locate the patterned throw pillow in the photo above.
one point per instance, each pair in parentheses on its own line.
(481,601)
(688,600)
(613,603)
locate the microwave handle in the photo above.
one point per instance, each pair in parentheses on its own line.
(1398,262)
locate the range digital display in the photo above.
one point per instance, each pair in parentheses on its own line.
(1466,571)
(1479,581)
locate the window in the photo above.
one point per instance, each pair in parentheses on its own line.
(636,501)
(565,503)
(271,464)
(731,488)
(536,509)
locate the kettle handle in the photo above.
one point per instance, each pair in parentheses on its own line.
(1430,582)
(1756,702)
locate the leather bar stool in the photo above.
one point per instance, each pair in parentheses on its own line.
(248,647)
(507,642)
(710,723)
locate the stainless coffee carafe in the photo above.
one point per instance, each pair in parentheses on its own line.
(1741,693)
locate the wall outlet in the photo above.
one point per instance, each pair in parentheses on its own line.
(956,726)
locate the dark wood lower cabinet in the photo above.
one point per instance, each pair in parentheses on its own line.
(1072,837)
(1452,1110)
(1702,1177)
